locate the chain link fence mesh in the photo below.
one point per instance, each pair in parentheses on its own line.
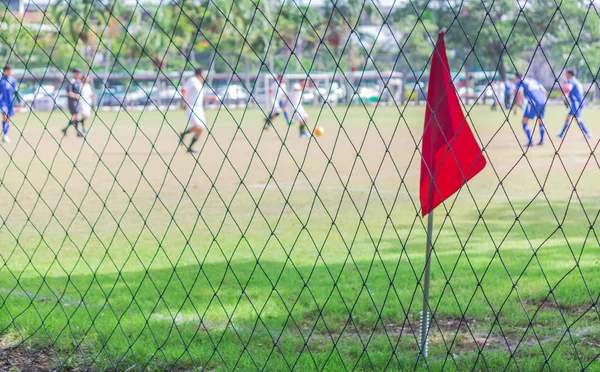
(270,251)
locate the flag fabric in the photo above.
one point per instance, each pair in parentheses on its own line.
(450,154)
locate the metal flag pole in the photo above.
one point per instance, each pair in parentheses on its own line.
(447,135)
(425,315)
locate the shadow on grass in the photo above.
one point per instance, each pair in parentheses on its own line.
(276,316)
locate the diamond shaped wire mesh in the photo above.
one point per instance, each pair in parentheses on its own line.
(266,251)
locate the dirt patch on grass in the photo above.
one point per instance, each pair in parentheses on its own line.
(550,305)
(460,333)
(466,334)
(22,359)
(452,324)
(451,331)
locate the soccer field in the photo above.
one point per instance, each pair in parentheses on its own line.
(267,251)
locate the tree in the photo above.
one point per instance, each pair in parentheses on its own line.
(415,40)
(343,34)
(15,41)
(576,45)
(85,25)
(241,31)
(344,18)
(492,34)
(163,34)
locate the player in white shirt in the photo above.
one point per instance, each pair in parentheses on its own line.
(277,98)
(84,107)
(297,112)
(193,99)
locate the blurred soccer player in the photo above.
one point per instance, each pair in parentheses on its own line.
(193,99)
(8,87)
(536,106)
(298,114)
(85,103)
(277,95)
(73,97)
(495,86)
(576,101)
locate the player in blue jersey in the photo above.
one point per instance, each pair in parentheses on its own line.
(536,97)
(576,101)
(8,87)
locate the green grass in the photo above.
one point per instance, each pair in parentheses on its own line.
(271,252)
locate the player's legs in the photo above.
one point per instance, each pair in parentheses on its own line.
(82,121)
(300,116)
(7,113)
(5,124)
(542,126)
(528,133)
(78,121)
(5,127)
(269,121)
(507,98)
(85,111)
(586,133)
(528,115)
(565,126)
(75,123)
(188,128)
(272,115)
(576,111)
(303,129)
(494,103)
(540,111)
(66,127)
(283,107)
(73,120)
(196,125)
(197,132)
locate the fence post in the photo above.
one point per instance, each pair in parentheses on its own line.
(425,315)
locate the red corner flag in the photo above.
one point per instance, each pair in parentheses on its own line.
(451,155)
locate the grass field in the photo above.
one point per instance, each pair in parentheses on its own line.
(271,252)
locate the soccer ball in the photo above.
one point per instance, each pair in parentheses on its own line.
(318,131)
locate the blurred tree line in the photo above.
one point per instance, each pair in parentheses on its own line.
(342,35)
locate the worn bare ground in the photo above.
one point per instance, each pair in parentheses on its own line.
(469,334)
(24,359)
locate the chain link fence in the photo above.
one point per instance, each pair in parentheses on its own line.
(293,241)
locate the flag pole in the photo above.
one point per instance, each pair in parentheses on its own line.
(425,315)
(445,132)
